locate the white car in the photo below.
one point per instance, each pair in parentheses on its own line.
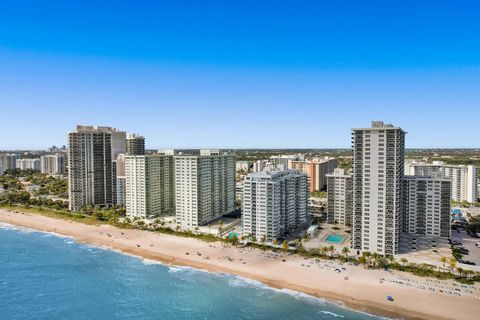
(477,244)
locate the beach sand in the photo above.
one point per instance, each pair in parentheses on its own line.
(354,287)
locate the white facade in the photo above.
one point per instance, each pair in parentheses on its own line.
(28,164)
(378,169)
(274,203)
(464,178)
(243,165)
(259,165)
(149,186)
(52,164)
(9,161)
(427,206)
(204,188)
(281,162)
(340,198)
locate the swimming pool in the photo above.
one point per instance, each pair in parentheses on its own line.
(334,238)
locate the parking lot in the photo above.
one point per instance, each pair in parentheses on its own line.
(469,244)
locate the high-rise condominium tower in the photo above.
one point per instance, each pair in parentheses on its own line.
(9,161)
(204,187)
(464,178)
(340,198)
(28,164)
(427,205)
(378,170)
(317,169)
(135,145)
(52,163)
(275,202)
(149,186)
(89,167)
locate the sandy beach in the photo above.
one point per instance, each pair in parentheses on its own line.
(354,287)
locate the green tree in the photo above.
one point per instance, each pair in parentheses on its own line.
(443,260)
(453,264)
(345,251)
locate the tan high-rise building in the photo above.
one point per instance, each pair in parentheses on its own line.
(316,169)
(149,186)
(89,167)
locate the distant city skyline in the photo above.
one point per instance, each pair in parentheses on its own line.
(290,74)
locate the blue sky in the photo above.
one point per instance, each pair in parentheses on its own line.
(240,74)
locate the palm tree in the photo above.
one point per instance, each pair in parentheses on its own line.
(332,250)
(468,273)
(403,261)
(345,251)
(362,260)
(285,245)
(460,271)
(275,242)
(444,261)
(390,259)
(324,250)
(453,263)
(375,258)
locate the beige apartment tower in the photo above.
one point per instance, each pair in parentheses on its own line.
(149,190)
(204,187)
(378,170)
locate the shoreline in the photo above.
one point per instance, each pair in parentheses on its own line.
(362,292)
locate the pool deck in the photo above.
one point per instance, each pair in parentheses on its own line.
(319,239)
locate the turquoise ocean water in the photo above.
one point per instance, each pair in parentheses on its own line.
(44,276)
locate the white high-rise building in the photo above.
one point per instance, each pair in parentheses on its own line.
(28,164)
(259,165)
(149,188)
(378,170)
(340,198)
(243,165)
(464,177)
(281,161)
(52,164)
(9,161)
(275,202)
(427,206)
(204,187)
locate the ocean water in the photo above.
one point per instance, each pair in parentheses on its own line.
(44,276)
